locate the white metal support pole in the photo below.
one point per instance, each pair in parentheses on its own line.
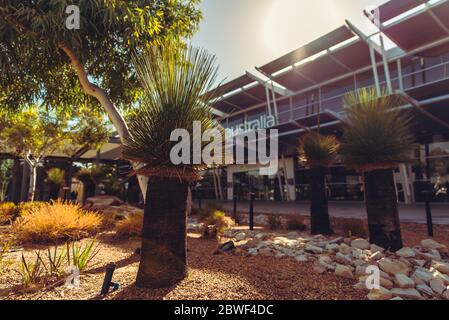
(406,184)
(401,81)
(274,102)
(386,67)
(375,73)
(268,99)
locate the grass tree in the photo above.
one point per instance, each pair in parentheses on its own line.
(318,152)
(177,83)
(376,139)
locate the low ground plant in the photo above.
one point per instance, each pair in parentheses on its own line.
(8,212)
(130,226)
(56,221)
(274,222)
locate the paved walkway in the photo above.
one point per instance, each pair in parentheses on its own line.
(407,213)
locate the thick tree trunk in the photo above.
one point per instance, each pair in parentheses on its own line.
(163,251)
(32,187)
(114,115)
(319,213)
(382,209)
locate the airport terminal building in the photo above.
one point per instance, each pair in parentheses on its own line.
(306,87)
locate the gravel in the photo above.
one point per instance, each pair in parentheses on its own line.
(223,277)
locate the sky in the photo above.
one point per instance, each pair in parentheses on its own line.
(247,33)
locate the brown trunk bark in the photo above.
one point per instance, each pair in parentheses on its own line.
(319,213)
(163,251)
(98,93)
(382,209)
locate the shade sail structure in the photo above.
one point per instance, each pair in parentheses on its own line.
(394,8)
(332,64)
(239,94)
(332,38)
(429,24)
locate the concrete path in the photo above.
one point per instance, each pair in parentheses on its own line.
(407,213)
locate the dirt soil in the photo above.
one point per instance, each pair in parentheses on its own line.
(223,277)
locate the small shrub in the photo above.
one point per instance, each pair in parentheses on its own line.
(80,256)
(25,207)
(216,224)
(274,222)
(296,224)
(56,221)
(31,272)
(55,259)
(352,227)
(131,226)
(220,221)
(8,212)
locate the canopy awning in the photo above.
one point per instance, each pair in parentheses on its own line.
(425,26)
(329,40)
(394,8)
(331,64)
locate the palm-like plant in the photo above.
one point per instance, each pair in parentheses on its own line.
(376,139)
(318,152)
(177,83)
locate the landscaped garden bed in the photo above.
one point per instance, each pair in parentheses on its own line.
(266,264)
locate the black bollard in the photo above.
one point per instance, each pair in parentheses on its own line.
(251,212)
(429,213)
(107,282)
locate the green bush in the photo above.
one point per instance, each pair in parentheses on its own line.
(274,222)
(296,224)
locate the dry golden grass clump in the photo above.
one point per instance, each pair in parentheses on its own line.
(8,212)
(130,226)
(56,221)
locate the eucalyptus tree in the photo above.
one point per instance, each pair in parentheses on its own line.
(35,133)
(318,152)
(45,54)
(177,83)
(376,139)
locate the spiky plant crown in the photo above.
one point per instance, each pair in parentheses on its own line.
(375,135)
(317,150)
(177,83)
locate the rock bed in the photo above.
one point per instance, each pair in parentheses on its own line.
(419,272)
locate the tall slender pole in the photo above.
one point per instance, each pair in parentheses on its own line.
(234,209)
(428,193)
(251,211)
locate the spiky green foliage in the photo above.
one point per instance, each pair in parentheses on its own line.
(375,135)
(81,256)
(317,150)
(31,272)
(177,83)
(56,176)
